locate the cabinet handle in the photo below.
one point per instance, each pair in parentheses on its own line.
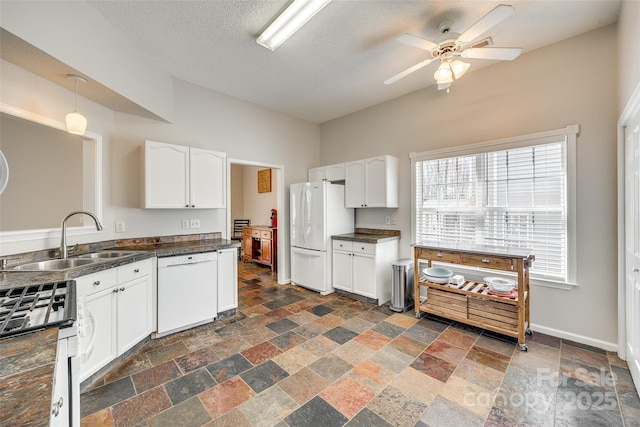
(115,291)
(96,283)
(122,289)
(635,270)
(186,206)
(439,255)
(193,206)
(137,270)
(60,402)
(55,410)
(486,261)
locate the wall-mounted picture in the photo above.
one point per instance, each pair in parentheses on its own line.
(264,181)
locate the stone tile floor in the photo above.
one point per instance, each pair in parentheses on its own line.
(291,357)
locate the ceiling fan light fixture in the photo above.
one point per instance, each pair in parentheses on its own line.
(76,122)
(298,13)
(459,68)
(443,74)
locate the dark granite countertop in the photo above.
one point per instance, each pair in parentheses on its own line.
(27,366)
(144,248)
(369,235)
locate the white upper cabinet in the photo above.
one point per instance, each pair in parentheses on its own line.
(183,177)
(372,183)
(327,173)
(317,174)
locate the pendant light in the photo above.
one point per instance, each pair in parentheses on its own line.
(76,122)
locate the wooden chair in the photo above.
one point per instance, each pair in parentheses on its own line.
(238,225)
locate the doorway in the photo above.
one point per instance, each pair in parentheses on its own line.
(629,235)
(246,201)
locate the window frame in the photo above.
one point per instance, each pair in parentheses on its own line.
(570,133)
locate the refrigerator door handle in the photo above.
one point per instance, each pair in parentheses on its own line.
(306,252)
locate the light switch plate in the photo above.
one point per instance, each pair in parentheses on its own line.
(119,226)
(195,223)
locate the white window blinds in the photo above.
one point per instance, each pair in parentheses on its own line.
(513,197)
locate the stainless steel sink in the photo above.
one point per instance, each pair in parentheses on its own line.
(53,264)
(105,254)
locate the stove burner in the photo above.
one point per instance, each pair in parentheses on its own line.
(27,308)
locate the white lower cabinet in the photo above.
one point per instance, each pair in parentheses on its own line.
(227,279)
(364,268)
(133,311)
(116,312)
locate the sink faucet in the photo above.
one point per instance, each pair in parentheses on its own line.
(63,237)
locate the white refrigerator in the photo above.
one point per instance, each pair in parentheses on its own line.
(317,213)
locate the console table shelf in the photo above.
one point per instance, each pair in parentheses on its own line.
(470,302)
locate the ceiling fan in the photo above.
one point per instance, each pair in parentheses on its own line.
(449,46)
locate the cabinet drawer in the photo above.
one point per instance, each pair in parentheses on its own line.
(437,255)
(134,270)
(265,234)
(255,233)
(364,248)
(95,282)
(488,262)
(343,245)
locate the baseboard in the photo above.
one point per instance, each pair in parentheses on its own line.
(593,342)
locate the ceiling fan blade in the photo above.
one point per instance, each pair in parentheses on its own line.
(497,15)
(407,71)
(500,53)
(415,41)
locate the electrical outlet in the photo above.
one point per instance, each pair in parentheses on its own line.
(195,223)
(387,220)
(185,224)
(393,220)
(119,226)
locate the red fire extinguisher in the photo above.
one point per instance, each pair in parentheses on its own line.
(274,218)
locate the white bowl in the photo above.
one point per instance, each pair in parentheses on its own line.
(500,285)
(438,280)
(438,272)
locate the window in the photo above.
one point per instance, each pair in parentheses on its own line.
(510,193)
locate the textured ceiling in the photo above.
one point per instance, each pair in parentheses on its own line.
(337,62)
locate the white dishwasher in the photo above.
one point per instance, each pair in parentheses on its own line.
(187,291)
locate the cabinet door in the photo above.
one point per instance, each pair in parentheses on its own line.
(354,185)
(364,275)
(342,270)
(335,172)
(375,187)
(208,179)
(99,348)
(247,247)
(317,174)
(133,312)
(227,279)
(265,251)
(166,175)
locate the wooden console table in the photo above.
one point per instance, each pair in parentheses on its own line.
(260,244)
(470,301)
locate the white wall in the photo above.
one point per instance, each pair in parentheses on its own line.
(542,90)
(629,49)
(246,202)
(257,206)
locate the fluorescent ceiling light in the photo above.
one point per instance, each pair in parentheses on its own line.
(290,20)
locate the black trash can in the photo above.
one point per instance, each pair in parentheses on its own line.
(402,285)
